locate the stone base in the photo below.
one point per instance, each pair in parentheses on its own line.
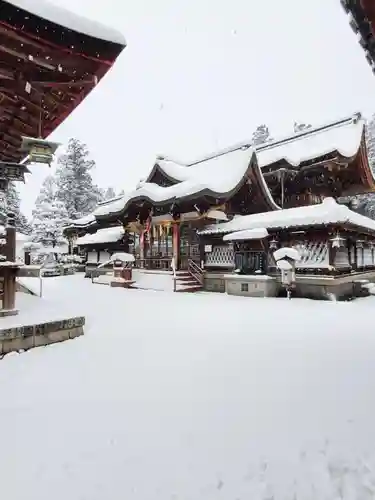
(8,312)
(41,334)
(92,271)
(121,284)
(251,285)
(344,287)
(214,282)
(339,287)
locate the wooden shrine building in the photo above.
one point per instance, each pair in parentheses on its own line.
(174,212)
(50,60)
(362,21)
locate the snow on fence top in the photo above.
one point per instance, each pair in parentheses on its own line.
(108,235)
(328,212)
(67,19)
(343,136)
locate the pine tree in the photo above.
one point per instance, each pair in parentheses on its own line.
(109,194)
(75,188)
(121,193)
(13,204)
(48,190)
(261,135)
(49,216)
(300,127)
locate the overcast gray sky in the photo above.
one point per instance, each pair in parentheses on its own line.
(198,75)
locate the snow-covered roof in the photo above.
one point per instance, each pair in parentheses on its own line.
(328,212)
(290,253)
(247,234)
(21,237)
(107,235)
(123,256)
(218,171)
(63,17)
(222,175)
(83,221)
(343,136)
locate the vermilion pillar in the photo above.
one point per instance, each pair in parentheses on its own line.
(142,248)
(176,243)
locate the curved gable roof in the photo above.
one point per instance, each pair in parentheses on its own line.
(343,137)
(213,184)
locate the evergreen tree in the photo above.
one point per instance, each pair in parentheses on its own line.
(75,188)
(121,193)
(109,194)
(48,190)
(300,127)
(49,216)
(261,135)
(12,203)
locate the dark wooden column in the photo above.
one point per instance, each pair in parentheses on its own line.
(9,290)
(27,257)
(355,255)
(10,247)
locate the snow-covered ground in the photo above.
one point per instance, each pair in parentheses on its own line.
(202,396)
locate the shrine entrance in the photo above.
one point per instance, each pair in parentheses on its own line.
(165,241)
(156,247)
(189,245)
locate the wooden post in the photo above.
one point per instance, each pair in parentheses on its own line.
(10,247)
(331,255)
(142,248)
(202,254)
(9,298)
(27,257)
(355,260)
(176,244)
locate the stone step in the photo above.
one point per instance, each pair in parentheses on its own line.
(188,277)
(189,288)
(190,282)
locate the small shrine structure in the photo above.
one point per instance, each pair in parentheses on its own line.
(99,246)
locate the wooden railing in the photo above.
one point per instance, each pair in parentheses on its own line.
(195,271)
(163,263)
